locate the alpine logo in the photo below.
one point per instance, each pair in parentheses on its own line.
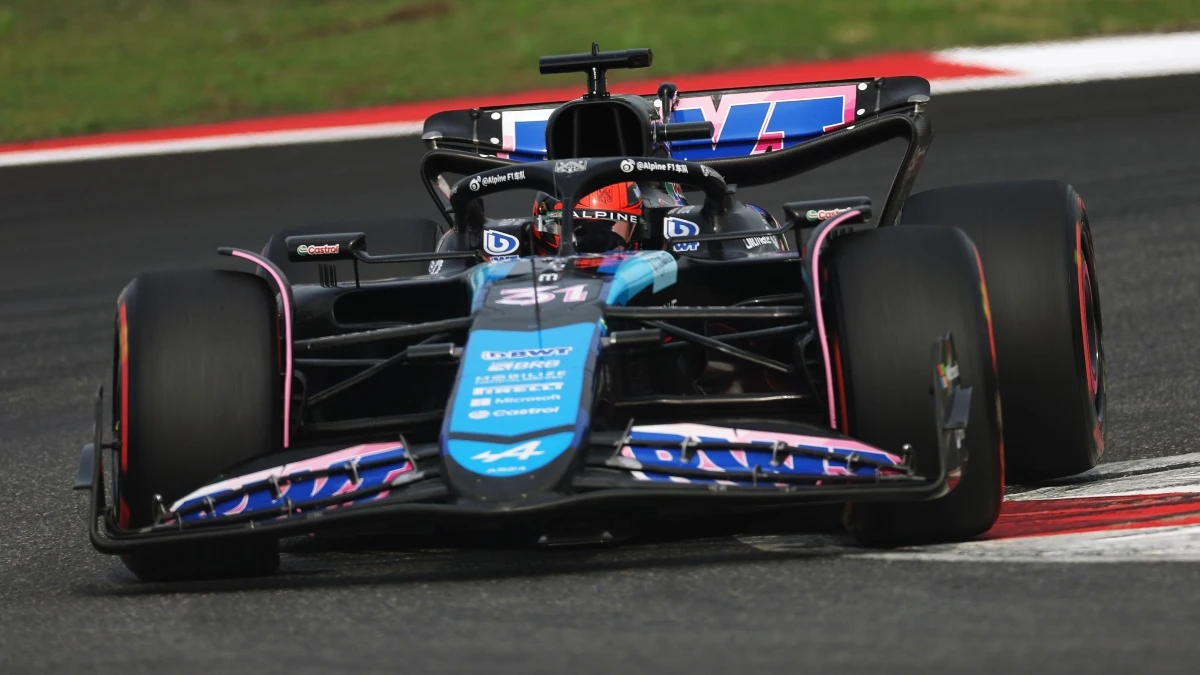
(522,452)
(318,249)
(674,228)
(499,243)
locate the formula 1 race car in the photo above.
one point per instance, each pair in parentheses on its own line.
(536,378)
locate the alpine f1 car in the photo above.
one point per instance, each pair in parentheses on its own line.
(616,353)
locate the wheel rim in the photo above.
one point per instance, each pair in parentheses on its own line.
(1093,332)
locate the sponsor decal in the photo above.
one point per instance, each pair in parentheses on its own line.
(519,400)
(522,376)
(521,452)
(504,366)
(674,228)
(719,460)
(478,182)
(522,412)
(390,464)
(517,388)
(710,173)
(537,384)
(754,122)
(744,123)
(498,243)
(628,165)
(755,242)
(599,214)
(816,215)
(435,266)
(318,249)
(570,166)
(526,353)
(523,297)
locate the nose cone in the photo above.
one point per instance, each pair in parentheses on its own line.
(520,411)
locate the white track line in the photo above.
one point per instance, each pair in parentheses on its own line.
(1134,477)
(1066,62)
(212,143)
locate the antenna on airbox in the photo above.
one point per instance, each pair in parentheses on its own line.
(596,64)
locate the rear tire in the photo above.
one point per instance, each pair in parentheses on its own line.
(197,391)
(1036,246)
(893,292)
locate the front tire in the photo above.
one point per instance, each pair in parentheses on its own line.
(893,292)
(198,390)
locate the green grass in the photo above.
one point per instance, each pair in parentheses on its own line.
(83,66)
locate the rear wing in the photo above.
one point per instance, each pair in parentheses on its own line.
(746,120)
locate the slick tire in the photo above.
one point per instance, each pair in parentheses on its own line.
(400,235)
(1036,246)
(197,391)
(893,292)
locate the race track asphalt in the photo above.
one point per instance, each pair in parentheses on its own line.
(71,236)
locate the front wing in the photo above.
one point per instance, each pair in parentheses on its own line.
(391,486)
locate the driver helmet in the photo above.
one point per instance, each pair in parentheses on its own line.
(602,221)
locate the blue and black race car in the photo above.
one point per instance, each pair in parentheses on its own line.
(614,353)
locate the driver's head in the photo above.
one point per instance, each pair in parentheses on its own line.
(602,221)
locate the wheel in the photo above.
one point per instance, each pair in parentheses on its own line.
(1036,247)
(401,235)
(197,391)
(893,292)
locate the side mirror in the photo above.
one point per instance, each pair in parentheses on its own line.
(811,213)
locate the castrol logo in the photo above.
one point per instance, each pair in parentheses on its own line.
(824,214)
(318,249)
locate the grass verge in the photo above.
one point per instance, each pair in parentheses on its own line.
(83,66)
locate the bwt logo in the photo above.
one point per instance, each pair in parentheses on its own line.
(674,228)
(526,353)
(499,243)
